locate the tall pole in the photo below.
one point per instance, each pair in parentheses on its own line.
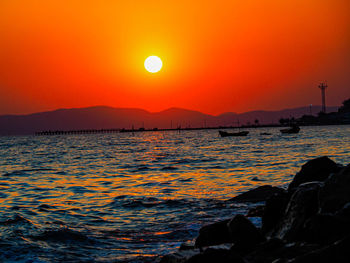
(323,87)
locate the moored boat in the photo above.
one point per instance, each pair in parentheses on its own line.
(227,134)
(293,129)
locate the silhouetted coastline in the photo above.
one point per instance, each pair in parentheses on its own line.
(102,118)
(341,117)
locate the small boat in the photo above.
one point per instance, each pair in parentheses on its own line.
(265,133)
(227,134)
(293,129)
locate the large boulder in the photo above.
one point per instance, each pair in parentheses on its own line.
(276,250)
(244,234)
(315,170)
(238,230)
(302,205)
(211,255)
(336,191)
(179,256)
(259,194)
(213,234)
(344,212)
(274,211)
(267,251)
(326,228)
(336,252)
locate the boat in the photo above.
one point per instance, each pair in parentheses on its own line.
(293,129)
(227,134)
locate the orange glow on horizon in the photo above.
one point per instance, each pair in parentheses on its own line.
(219,56)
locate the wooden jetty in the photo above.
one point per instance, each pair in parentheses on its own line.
(87,131)
(96,131)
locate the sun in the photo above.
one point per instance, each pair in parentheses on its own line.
(153,64)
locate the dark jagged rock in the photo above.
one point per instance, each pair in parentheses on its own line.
(244,234)
(178,257)
(276,250)
(213,234)
(337,252)
(302,205)
(326,228)
(238,230)
(336,191)
(314,170)
(216,255)
(274,210)
(266,252)
(259,194)
(344,212)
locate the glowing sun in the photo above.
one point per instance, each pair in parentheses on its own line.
(153,64)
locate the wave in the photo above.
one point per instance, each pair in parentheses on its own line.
(62,235)
(24,172)
(168,168)
(80,190)
(142,202)
(17,219)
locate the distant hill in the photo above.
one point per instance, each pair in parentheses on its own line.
(102,117)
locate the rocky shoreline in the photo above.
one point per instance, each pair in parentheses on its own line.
(308,222)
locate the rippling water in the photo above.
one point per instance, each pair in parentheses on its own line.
(129,197)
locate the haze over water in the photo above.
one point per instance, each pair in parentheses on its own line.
(116,197)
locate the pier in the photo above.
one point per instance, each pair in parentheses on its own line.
(96,131)
(70,132)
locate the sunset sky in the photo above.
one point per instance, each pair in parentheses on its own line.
(218,56)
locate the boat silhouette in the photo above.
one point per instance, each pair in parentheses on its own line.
(227,134)
(293,129)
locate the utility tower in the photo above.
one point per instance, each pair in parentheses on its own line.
(323,87)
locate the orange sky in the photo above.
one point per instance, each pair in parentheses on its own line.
(218,56)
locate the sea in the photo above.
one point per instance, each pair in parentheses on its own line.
(132,197)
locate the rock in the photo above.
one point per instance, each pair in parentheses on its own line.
(336,191)
(274,210)
(344,212)
(178,257)
(266,252)
(326,228)
(259,194)
(276,250)
(315,170)
(213,234)
(280,260)
(337,252)
(238,230)
(302,205)
(216,255)
(244,234)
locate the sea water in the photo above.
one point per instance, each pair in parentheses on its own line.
(130,197)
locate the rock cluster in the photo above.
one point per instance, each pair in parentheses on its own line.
(308,222)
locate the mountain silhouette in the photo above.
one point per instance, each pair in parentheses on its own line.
(103,117)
